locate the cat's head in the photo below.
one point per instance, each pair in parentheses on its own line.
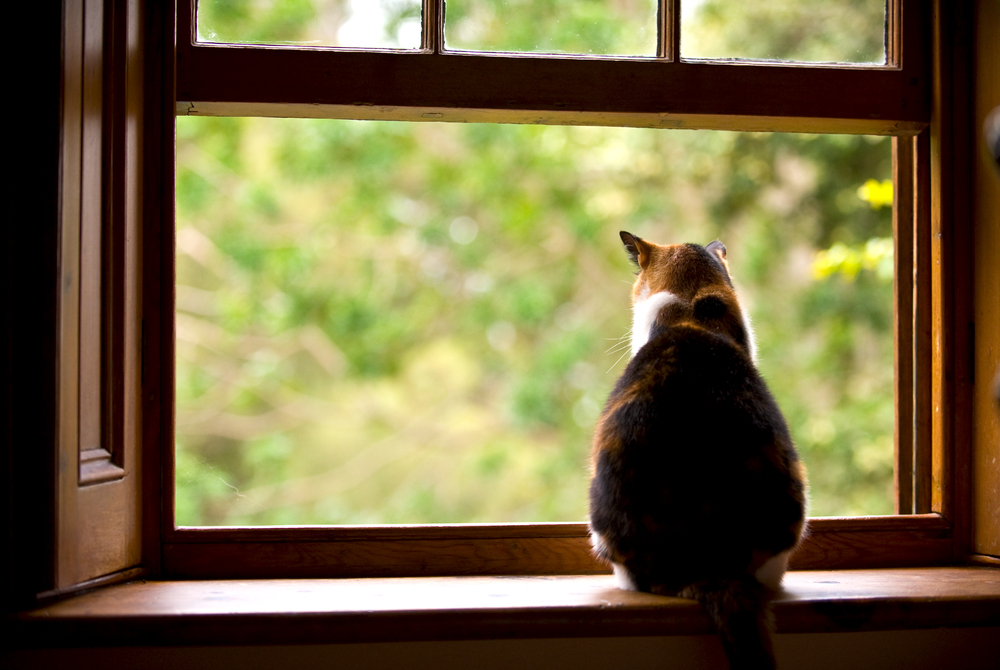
(685,283)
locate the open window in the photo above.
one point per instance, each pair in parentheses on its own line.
(111,508)
(653,85)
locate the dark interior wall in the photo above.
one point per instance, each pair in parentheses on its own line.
(28,306)
(969,649)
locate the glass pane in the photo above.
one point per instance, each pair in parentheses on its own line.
(605,27)
(833,31)
(385,322)
(391,24)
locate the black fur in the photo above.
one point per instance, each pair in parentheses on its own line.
(695,475)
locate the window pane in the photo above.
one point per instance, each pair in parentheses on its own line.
(392,24)
(606,27)
(419,323)
(841,31)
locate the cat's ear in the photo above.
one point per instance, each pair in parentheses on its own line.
(637,248)
(717,248)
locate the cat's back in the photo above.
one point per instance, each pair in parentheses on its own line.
(693,443)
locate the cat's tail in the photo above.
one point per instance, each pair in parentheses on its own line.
(740,610)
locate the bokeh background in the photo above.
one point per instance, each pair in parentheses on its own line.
(383,322)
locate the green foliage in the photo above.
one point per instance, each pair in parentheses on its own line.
(847,31)
(240,21)
(847,261)
(354,23)
(554,26)
(419,323)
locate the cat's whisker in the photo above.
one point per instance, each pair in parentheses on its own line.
(624,339)
(621,344)
(619,360)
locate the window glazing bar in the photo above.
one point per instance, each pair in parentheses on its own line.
(432,23)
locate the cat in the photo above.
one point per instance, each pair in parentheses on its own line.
(697,490)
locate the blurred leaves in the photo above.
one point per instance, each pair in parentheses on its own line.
(418,323)
(625,27)
(845,31)
(847,261)
(876,193)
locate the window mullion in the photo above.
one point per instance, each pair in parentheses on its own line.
(432,22)
(668,42)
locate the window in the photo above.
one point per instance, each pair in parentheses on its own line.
(391,322)
(662,92)
(919,97)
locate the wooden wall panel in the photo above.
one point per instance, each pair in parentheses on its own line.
(986,446)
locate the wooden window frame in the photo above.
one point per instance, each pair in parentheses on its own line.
(900,98)
(65,532)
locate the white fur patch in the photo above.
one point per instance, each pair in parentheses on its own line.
(598,542)
(751,339)
(773,570)
(644,313)
(623,578)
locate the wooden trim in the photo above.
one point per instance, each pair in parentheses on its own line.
(986,444)
(272,81)
(318,611)
(893,42)
(90,394)
(913,324)
(875,542)
(515,549)
(951,230)
(111,579)
(922,327)
(653,92)
(985,560)
(941,184)
(508,531)
(902,293)
(959,485)
(158,277)
(638,120)
(71,164)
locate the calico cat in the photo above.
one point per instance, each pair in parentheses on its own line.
(697,490)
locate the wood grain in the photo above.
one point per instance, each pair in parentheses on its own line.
(528,556)
(98,494)
(986,443)
(271,82)
(452,608)
(514,549)
(951,267)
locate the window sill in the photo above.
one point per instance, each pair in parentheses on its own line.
(323,611)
